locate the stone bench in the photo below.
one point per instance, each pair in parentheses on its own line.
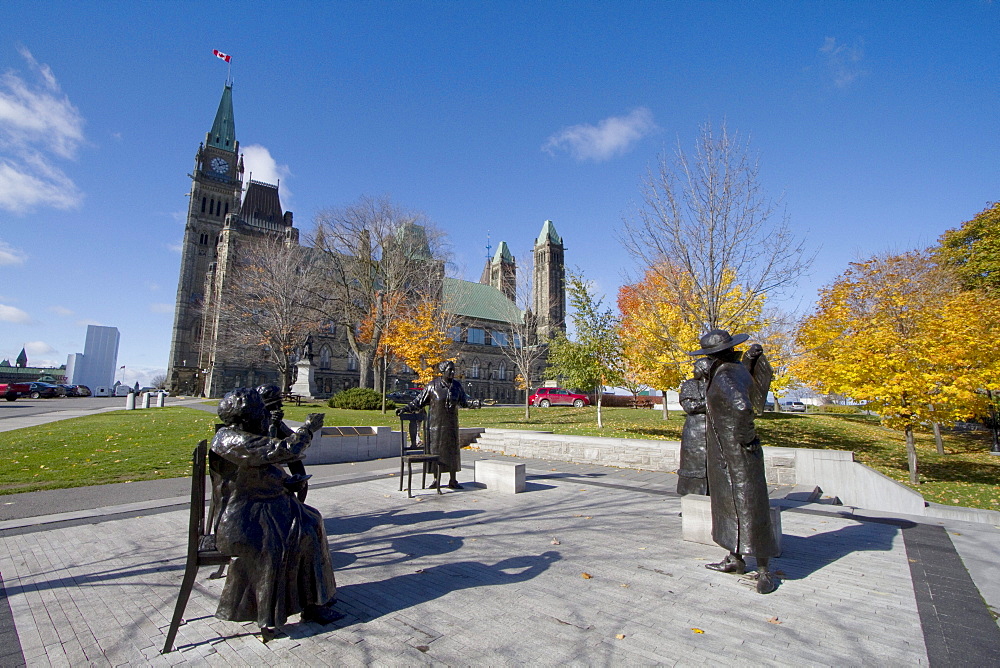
(696,520)
(506,477)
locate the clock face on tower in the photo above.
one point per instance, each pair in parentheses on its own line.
(219,166)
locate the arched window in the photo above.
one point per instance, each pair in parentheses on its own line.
(352,361)
(324,357)
(227,208)
(204,201)
(474,372)
(502,371)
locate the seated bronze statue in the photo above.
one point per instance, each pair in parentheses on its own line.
(280,563)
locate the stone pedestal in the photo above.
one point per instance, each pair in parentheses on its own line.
(145,399)
(160,399)
(305,381)
(696,520)
(130,401)
(500,476)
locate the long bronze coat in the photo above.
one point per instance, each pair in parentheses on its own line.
(741,517)
(442,399)
(280,558)
(692,478)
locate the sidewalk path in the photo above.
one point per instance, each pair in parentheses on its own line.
(476,577)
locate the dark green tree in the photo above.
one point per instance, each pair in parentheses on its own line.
(972,251)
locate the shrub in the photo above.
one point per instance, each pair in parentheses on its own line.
(360,399)
(837,409)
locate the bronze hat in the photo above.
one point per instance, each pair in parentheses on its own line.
(718,340)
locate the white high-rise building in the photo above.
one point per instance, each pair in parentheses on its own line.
(95,367)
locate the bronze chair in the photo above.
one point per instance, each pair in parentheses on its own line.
(201,543)
(410,454)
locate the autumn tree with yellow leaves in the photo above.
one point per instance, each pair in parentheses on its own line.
(419,338)
(657,329)
(896,332)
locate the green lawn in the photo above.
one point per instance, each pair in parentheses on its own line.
(143,445)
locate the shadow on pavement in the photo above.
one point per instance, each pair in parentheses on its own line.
(802,556)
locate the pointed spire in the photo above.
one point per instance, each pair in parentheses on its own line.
(503,253)
(548,233)
(22,359)
(223,134)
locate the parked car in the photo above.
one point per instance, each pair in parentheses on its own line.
(43,391)
(795,407)
(556,396)
(70,390)
(11,391)
(403,397)
(123,390)
(83,391)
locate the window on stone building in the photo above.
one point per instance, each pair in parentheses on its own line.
(474,371)
(499,338)
(352,361)
(455,333)
(502,371)
(477,335)
(324,357)
(204,201)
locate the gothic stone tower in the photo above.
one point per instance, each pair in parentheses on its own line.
(549,283)
(216,185)
(501,272)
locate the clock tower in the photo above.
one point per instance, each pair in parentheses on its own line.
(216,187)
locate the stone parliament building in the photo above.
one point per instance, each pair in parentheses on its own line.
(223,214)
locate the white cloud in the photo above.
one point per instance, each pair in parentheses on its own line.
(84,322)
(260,166)
(612,136)
(61,310)
(13,314)
(175,247)
(38,348)
(10,255)
(843,62)
(161,308)
(37,123)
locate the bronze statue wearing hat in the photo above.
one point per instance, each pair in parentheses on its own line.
(741,516)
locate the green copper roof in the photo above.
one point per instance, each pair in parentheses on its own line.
(503,253)
(223,133)
(475,300)
(549,232)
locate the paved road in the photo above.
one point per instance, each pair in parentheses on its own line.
(25,407)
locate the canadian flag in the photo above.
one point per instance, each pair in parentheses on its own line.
(225,56)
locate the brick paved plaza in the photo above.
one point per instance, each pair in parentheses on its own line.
(474,577)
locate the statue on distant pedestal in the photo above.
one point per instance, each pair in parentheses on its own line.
(442,396)
(741,513)
(692,478)
(279,558)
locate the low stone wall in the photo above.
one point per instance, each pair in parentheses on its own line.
(833,471)
(633,453)
(336,445)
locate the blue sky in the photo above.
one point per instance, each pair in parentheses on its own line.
(875,122)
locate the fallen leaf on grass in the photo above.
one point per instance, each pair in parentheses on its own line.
(586,576)
(697,630)
(773,620)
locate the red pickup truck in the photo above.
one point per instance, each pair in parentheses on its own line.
(11,391)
